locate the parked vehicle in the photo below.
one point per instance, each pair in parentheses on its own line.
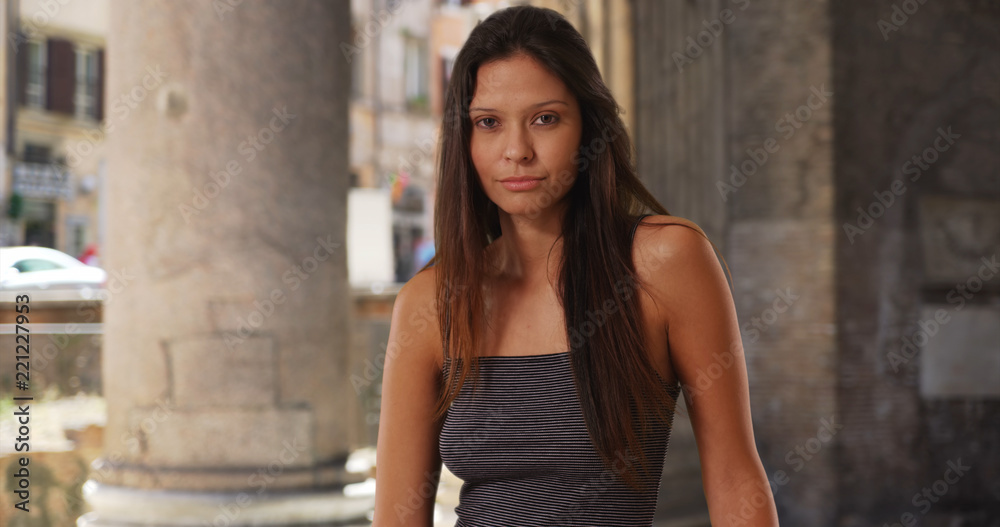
(33,268)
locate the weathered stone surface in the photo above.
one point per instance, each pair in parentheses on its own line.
(226,437)
(227,206)
(205,373)
(877,195)
(961,356)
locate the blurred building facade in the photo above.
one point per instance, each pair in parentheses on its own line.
(393,135)
(54,110)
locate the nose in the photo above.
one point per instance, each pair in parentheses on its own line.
(518,147)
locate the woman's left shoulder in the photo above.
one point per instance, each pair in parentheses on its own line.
(674,255)
(662,237)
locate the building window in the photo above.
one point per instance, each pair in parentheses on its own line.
(85,97)
(76,229)
(35,153)
(57,75)
(39,223)
(34,89)
(416,73)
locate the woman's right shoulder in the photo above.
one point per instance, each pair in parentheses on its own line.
(419,292)
(414,322)
(422,282)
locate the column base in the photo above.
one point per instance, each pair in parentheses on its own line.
(115,506)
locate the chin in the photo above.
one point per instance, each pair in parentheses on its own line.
(529,204)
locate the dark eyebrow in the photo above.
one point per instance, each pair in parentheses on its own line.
(478,109)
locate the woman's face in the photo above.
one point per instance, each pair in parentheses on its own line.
(525,122)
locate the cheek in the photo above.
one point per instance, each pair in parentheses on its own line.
(479,152)
(564,151)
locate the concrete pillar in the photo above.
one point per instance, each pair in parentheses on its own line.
(681,121)
(226,328)
(782,241)
(679,145)
(735,132)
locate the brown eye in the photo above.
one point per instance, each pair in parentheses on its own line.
(552,120)
(484,120)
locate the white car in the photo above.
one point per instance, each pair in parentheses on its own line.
(33,268)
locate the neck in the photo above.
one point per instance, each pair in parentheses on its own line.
(529,251)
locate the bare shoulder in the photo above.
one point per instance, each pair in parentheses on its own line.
(676,260)
(414,316)
(420,285)
(662,240)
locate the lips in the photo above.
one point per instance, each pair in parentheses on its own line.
(519,183)
(519,178)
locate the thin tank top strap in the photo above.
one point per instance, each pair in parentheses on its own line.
(631,235)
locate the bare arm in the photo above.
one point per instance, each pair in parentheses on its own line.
(698,312)
(407,461)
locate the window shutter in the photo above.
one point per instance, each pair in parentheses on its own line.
(62,76)
(99,92)
(21,49)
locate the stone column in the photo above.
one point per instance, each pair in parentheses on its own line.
(781,244)
(736,132)
(680,122)
(226,328)
(679,134)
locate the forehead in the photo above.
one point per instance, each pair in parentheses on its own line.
(515,83)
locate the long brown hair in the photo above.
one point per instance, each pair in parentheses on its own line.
(611,371)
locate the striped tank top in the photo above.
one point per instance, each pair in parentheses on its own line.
(520,445)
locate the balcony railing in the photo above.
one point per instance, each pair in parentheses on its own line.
(42,180)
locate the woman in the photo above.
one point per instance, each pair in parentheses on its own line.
(539,354)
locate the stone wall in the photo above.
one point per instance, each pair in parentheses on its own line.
(848,156)
(918,151)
